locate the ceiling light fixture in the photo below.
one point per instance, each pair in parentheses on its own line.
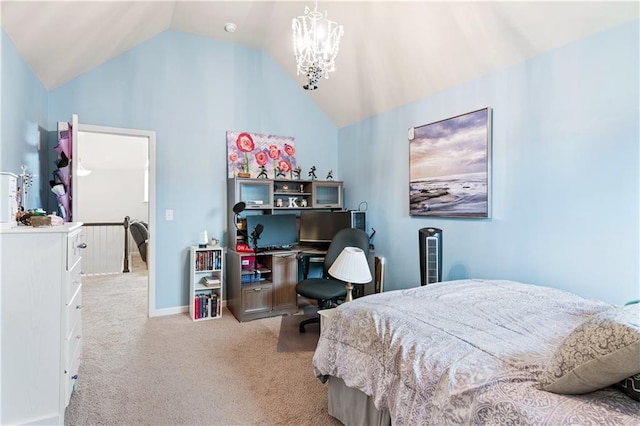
(230,27)
(316,41)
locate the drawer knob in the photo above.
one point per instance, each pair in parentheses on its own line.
(74,377)
(82,246)
(257,289)
(78,307)
(78,337)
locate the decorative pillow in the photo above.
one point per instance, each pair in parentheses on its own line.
(631,386)
(600,352)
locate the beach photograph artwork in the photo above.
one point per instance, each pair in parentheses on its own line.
(449,167)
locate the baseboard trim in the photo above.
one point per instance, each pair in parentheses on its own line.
(176,310)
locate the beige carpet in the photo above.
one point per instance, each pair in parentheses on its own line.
(172,371)
(290,338)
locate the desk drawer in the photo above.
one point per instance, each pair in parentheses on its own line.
(257,299)
(73,311)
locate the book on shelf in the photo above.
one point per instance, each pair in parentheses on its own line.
(215,306)
(208,260)
(201,306)
(207,305)
(210,281)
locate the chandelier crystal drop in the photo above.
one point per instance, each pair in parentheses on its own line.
(316,41)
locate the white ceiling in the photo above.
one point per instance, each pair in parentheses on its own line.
(392,52)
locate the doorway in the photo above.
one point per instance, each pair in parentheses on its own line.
(118,180)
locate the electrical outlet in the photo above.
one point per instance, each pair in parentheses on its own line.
(168,214)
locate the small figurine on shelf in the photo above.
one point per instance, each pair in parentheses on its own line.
(330,175)
(25,180)
(263,173)
(296,172)
(241,171)
(303,202)
(280,172)
(312,173)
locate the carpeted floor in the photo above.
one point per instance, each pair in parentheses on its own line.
(291,340)
(172,371)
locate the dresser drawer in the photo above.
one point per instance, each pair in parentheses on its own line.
(71,376)
(72,283)
(73,311)
(75,244)
(72,343)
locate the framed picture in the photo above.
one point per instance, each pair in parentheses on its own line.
(254,155)
(450,167)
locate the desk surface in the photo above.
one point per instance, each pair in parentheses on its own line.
(295,249)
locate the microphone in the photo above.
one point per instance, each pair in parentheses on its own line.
(257,231)
(255,236)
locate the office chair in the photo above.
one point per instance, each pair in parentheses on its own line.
(140,234)
(326,290)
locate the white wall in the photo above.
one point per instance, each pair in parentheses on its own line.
(116,186)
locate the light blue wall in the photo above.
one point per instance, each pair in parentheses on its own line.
(24,120)
(565,154)
(565,173)
(190,90)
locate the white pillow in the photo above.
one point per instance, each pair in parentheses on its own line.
(600,352)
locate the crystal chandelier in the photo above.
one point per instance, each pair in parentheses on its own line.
(316,40)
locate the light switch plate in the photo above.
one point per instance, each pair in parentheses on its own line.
(168,214)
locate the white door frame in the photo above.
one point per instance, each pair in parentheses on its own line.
(151,247)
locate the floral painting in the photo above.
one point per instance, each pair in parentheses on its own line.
(449,166)
(260,156)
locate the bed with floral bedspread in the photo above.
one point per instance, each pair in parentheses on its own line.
(483,352)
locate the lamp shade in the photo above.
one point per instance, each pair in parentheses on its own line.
(351,266)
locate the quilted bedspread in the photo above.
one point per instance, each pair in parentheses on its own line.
(464,352)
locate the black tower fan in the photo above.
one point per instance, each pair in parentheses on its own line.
(430,255)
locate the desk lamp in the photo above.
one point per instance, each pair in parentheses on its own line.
(237,209)
(352,267)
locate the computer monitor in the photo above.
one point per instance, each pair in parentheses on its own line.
(279,231)
(320,227)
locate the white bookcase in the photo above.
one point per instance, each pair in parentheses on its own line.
(206,266)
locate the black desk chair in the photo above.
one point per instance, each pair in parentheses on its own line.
(140,233)
(326,290)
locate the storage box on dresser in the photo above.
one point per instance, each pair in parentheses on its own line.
(205,282)
(41,296)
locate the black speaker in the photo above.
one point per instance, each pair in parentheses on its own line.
(430,240)
(359,220)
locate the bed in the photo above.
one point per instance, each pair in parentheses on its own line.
(480,352)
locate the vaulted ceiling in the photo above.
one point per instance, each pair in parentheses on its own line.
(392,52)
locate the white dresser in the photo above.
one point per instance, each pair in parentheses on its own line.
(41,293)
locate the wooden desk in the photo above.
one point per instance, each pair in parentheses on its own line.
(270,289)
